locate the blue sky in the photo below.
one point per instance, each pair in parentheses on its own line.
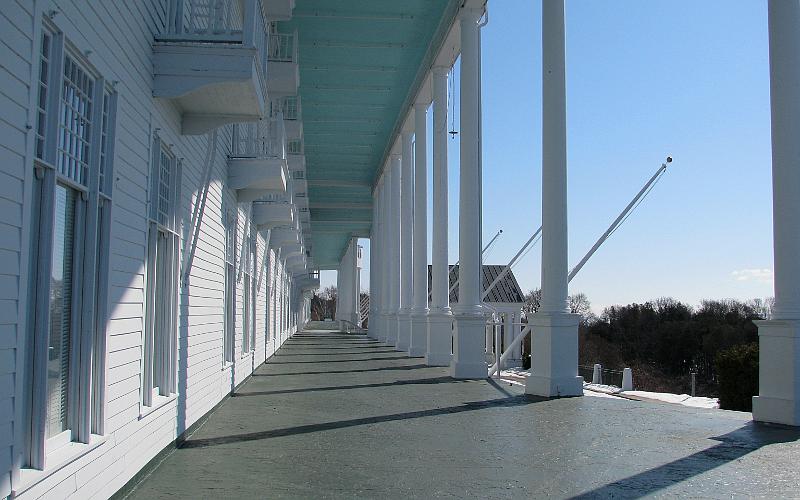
(645,80)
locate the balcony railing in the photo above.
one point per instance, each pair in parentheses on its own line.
(261,139)
(219,21)
(289,106)
(294,147)
(298,174)
(283,47)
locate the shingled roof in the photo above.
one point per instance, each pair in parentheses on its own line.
(506,290)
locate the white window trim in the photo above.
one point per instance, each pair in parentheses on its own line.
(156,393)
(229,322)
(87,353)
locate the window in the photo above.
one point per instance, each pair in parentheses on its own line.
(248,294)
(73,148)
(230,285)
(161,304)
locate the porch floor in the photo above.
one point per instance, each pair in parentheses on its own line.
(333,415)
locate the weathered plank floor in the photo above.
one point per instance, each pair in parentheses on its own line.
(342,416)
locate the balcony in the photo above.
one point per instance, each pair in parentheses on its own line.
(270,214)
(296,262)
(278,10)
(283,76)
(284,235)
(257,165)
(212,62)
(290,107)
(291,249)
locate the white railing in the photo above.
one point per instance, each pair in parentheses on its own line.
(289,106)
(219,21)
(294,147)
(283,47)
(260,139)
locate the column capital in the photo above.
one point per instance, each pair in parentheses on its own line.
(470,14)
(440,70)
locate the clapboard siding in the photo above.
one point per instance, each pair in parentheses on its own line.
(118,37)
(16,47)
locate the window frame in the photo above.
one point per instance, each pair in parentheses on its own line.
(162,268)
(230,270)
(85,391)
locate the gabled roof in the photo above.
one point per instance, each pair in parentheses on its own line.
(507,290)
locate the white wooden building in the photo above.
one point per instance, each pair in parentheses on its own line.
(139,283)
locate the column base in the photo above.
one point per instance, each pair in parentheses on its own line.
(391,329)
(468,348)
(778,399)
(776,411)
(554,359)
(403,331)
(553,387)
(419,334)
(440,339)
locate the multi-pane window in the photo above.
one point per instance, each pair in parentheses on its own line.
(248,294)
(73,143)
(230,285)
(161,305)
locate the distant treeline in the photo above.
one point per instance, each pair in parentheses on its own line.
(665,340)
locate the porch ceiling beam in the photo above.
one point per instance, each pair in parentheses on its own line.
(352,44)
(368,16)
(354,68)
(338,183)
(344,206)
(353,88)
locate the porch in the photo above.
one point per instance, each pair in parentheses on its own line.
(344,416)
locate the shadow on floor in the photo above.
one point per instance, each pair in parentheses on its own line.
(400,356)
(306,353)
(364,370)
(418,381)
(305,429)
(732,446)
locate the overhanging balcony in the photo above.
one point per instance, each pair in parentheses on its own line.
(290,107)
(291,249)
(278,10)
(270,214)
(257,165)
(212,62)
(283,77)
(284,235)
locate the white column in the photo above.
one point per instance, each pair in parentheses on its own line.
(778,397)
(394,214)
(385,255)
(419,312)
(554,361)
(374,267)
(356,281)
(406,241)
(468,348)
(440,319)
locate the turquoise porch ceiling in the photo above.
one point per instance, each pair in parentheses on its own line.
(359,60)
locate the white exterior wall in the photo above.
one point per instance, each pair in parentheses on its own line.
(119,36)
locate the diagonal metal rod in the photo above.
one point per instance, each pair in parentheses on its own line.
(614,226)
(621,218)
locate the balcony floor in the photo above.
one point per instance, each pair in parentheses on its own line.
(342,416)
